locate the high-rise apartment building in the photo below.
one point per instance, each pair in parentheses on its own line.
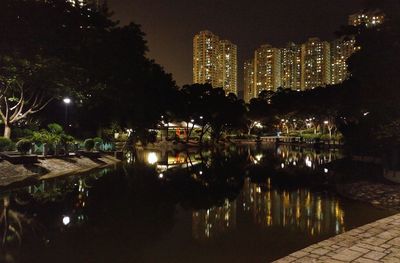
(205,58)
(267,69)
(341,50)
(316,64)
(370,18)
(291,66)
(214,61)
(227,63)
(249,89)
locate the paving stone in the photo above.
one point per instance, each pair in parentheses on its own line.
(359,249)
(347,255)
(390,259)
(374,241)
(364,260)
(385,246)
(387,235)
(320,251)
(299,254)
(395,241)
(374,255)
(370,247)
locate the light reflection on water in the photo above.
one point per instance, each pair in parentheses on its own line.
(225,194)
(313,214)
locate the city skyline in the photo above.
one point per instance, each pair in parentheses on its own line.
(171,29)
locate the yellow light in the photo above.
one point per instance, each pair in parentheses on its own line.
(152,158)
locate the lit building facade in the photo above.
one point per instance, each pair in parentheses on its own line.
(316,64)
(291,66)
(267,69)
(341,50)
(227,63)
(215,62)
(205,58)
(249,89)
(369,19)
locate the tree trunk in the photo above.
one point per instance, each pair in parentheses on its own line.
(7,131)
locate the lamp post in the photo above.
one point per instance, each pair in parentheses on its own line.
(66,101)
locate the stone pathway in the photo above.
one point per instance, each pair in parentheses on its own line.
(375,242)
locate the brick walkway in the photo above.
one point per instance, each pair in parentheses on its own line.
(375,242)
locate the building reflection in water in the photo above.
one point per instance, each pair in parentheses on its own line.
(309,212)
(215,221)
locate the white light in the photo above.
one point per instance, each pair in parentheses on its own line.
(152,158)
(192,121)
(283,165)
(66,220)
(67,100)
(326,122)
(201,117)
(161,176)
(326,170)
(201,172)
(366,113)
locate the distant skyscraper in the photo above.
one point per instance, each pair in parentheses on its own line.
(248,70)
(316,64)
(214,61)
(341,50)
(267,67)
(291,66)
(370,18)
(205,58)
(227,60)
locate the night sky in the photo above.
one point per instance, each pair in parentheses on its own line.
(171,24)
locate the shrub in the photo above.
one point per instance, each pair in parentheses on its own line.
(98,140)
(55,128)
(97,143)
(6,144)
(24,145)
(89,144)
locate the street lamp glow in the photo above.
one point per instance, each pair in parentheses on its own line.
(201,117)
(152,158)
(67,100)
(66,220)
(326,122)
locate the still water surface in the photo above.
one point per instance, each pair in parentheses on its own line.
(247,204)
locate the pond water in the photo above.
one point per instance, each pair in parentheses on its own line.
(239,204)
